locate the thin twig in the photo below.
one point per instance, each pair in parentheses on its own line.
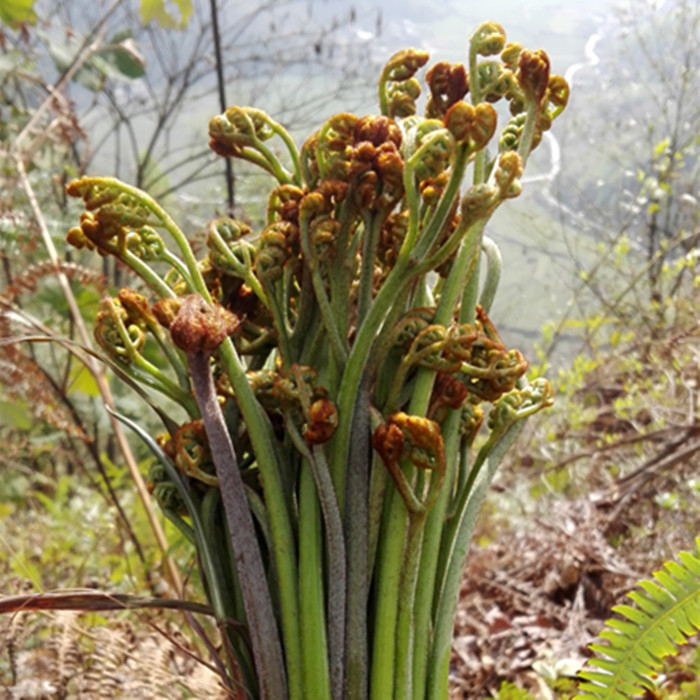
(88,48)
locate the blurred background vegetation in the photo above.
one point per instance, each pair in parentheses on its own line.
(602,296)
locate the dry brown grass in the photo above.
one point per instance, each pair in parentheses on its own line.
(69,655)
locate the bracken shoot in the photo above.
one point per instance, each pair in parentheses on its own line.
(346,398)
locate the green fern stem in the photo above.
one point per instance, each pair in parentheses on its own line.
(457,537)
(494,267)
(311,593)
(430,561)
(405,624)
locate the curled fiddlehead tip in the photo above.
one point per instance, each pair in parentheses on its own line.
(478,200)
(401,98)
(410,326)
(511,54)
(237,128)
(471,419)
(557,93)
(228,251)
(391,237)
(430,149)
(372,164)
(495,81)
(119,220)
(107,238)
(312,205)
(520,403)
(194,324)
(414,438)
(388,166)
(275,247)
(77,238)
(510,136)
(228,229)
(309,164)
(116,332)
(404,64)
(398,90)
(377,176)
(339,131)
(428,350)
(223,139)
(95,191)
(488,369)
(283,203)
(146,244)
(377,129)
(125,210)
(448,84)
(333,147)
(533,73)
(488,39)
(137,306)
(471,125)
(165,310)
(192,454)
(448,393)
(387,440)
(510,168)
(493,371)
(112,201)
(322,421)
(431,189)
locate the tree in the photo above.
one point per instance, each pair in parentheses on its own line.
(152,127)
(632,169)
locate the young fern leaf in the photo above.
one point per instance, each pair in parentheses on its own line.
(666,614)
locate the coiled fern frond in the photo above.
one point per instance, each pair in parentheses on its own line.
(666,613)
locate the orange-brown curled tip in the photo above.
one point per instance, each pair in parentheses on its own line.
(195,325)
(135,303)
(558,91)
(323,420)
(388,442)
(533,73)
(403,64)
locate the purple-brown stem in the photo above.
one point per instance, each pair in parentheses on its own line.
(267,652)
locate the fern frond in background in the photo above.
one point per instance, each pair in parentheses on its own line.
(39,384)
(68,654)
(666,614)
(28,280)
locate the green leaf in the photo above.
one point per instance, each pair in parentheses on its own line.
(16,12)
(82,382)
(15,414)
(665,616)
(120,60)
(156,10)
(27,569)
(127,59)
(123,56)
